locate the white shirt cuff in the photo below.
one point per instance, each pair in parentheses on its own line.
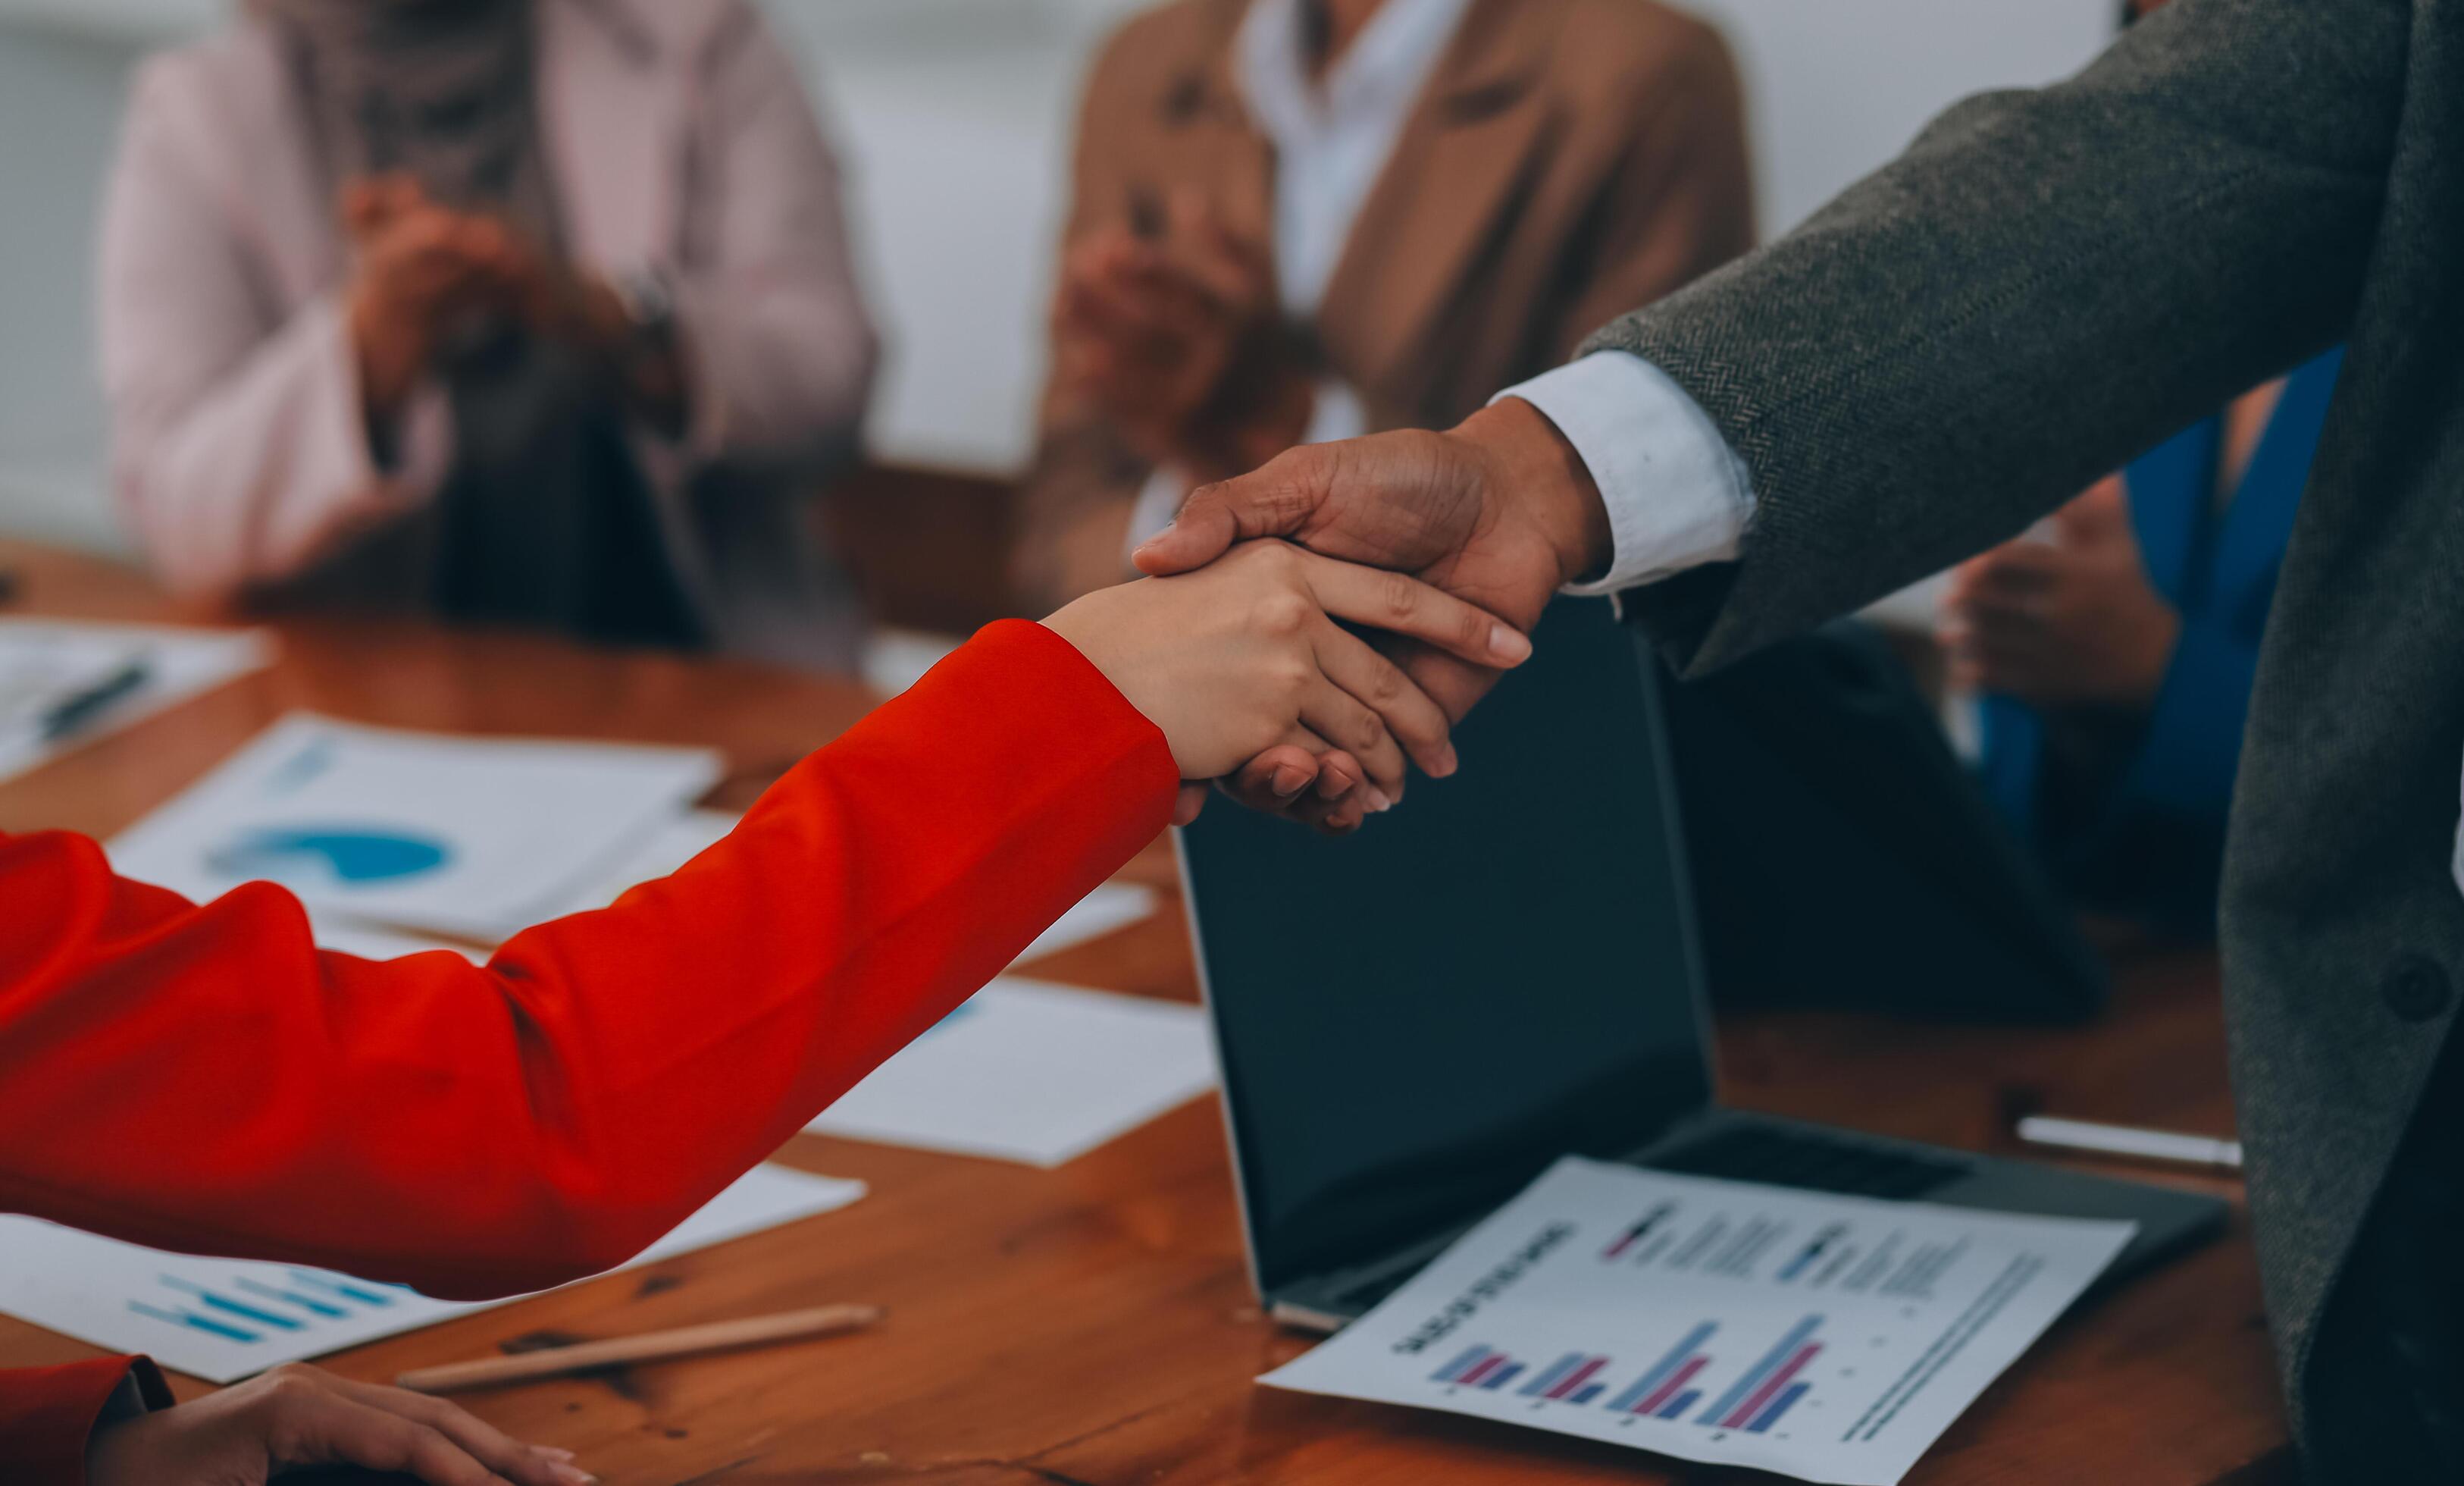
(1677,494)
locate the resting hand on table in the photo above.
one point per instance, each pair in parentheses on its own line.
(1499,513)
(1244,655)
(296,1417)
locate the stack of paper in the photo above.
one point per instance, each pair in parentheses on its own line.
(222,1319)
(475,837)
(63,684)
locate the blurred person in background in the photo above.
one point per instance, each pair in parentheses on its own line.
(2116,648)
(1302,220)
(531,312)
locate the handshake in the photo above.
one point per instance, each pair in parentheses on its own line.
(1449,544)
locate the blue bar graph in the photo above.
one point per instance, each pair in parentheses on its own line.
(1678,1406)
(1779,1407)
(1590,1393)
(1770,1362)
(348,1291)
(229,1306)
(1502,1376)
(192,1319)
(1469,1358)
(312,1306)
(1661,1369)
(1555,1371)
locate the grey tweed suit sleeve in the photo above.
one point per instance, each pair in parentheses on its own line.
(2044,285)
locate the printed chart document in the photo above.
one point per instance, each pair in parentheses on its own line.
(1832,1339)
(476,837)
(64,683)
(1032,1073)
(222,1319)
(673,843)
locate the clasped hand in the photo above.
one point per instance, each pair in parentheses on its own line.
(423,268)
(1492,518)
(1244,655)
(1176,336)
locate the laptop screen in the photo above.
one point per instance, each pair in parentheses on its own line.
(1416,1021)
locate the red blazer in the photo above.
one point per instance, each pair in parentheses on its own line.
(487,1131)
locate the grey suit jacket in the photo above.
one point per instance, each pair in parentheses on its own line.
(2043,286)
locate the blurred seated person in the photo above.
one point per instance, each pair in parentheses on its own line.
(1303,220)
(2116,650)
(532,312)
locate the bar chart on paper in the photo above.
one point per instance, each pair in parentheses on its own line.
(1760,1397)
(1832,1339)
(223,1320)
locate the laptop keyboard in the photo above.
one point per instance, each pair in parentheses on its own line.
(1810,1162)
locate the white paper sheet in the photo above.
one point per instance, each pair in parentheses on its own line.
(655,852)
(476,837)
(1112,906)
(670,844)
(222,1319)
(1832,1339)
(1032,1073)
(45,662)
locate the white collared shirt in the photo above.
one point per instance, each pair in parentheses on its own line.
(1332,139)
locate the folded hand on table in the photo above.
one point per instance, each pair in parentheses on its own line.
(1499,513)
(1243,656)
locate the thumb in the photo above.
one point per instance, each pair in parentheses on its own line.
(1203,531)
(1270,502)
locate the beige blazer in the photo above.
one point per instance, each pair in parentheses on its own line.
(1570,160)
(679,139)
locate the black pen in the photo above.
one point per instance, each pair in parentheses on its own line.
(73,712)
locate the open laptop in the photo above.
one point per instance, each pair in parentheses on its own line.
(1414,1022)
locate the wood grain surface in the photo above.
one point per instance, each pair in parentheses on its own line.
(1093,1324)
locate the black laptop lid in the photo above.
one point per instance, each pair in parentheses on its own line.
(1417,1021)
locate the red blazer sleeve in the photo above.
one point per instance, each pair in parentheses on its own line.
(48,1414)
(203,1079)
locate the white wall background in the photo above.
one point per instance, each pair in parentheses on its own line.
(954,115)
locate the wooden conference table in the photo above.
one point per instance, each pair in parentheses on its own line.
(1093,1324)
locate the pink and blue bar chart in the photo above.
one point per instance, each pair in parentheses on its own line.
(1769,1390)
